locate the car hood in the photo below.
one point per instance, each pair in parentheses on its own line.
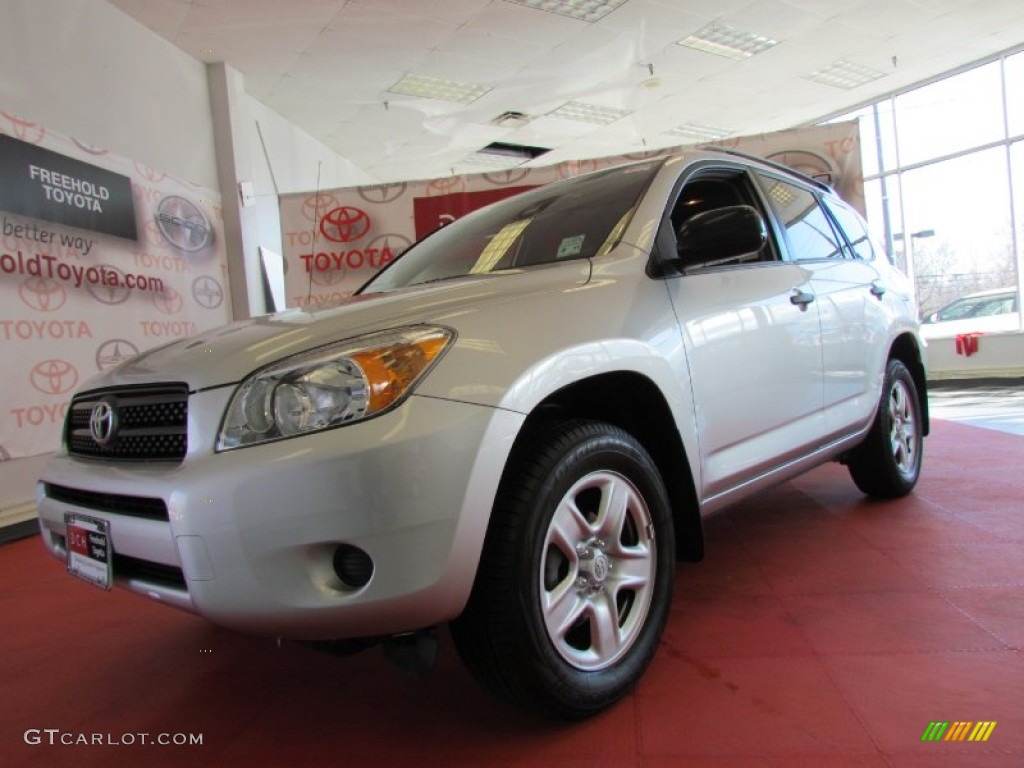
(225,355)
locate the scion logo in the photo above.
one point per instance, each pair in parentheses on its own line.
(207,292)
(182,224)
(110,294)
(42,294)
(53,377)
(113,352)
(103,423)
(313,205)
(25,129)
(382,193)
(169,302)
(503,178)
(344,224)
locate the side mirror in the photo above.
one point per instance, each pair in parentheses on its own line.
(932,318)
(720,236)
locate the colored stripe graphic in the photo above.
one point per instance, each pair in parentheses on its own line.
(960,730)
(982,731)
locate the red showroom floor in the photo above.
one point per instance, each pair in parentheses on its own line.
(821,630)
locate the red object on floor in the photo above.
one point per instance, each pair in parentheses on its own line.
(822,630)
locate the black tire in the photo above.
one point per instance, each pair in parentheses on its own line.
(888,463)
(544,566)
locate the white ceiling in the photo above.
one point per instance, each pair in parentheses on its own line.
(327,65)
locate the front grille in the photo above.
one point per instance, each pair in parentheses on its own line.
(147,424)
(131,506)
(157,573)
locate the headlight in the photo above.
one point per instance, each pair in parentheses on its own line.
(331,386)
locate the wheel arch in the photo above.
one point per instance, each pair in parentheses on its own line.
(907,349)
(634,403)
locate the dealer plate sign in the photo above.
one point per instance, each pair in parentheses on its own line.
(88,545)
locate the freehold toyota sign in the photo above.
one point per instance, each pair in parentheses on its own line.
(47,185)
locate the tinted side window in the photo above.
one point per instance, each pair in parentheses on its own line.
(853,226)
(807,227)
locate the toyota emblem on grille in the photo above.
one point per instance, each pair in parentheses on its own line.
(102,423)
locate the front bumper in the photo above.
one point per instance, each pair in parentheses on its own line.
(250,534)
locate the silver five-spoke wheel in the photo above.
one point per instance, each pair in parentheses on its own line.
(887,463)
(597,571)
(902,428)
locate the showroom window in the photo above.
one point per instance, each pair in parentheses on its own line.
(945,194)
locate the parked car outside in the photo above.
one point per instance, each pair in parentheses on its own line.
(994,311)
(516,428)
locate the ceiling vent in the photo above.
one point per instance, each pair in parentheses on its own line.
(511,119)
(519,151)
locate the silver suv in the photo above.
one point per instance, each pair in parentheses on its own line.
(517,427)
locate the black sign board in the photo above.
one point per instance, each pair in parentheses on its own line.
(46,185)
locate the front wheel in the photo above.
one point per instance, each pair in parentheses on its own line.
(888,463)
(575,581)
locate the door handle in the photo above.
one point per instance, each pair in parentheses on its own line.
(878,289)
(801,299)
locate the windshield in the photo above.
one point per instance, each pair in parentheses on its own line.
(573,219)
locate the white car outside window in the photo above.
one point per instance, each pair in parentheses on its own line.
(995,311)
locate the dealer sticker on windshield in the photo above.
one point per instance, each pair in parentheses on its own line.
(88,545)
(570,246)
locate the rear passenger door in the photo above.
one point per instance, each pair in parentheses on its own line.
(849,295)
(751,333)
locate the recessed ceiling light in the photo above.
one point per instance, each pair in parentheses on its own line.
(584,10)
(589,113)
(436,88)
(730,42)
(697,133)
(844,74)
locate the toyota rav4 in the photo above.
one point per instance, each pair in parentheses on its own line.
(516,428)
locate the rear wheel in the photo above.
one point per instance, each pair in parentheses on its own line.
(888,463)
(575,580)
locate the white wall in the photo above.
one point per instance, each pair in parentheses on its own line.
(87,70)
(295,156)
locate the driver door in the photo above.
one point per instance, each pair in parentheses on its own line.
(752,338)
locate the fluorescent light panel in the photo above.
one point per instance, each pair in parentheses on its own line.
(436,88)
(582,112)
(697,133)
(584,10)
(730,42)
(844,74)
(492,162)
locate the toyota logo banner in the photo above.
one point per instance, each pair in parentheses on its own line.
(100,258)
(336,239)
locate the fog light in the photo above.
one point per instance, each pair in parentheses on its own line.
(353,566)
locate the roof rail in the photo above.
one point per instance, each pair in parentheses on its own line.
(771,164)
